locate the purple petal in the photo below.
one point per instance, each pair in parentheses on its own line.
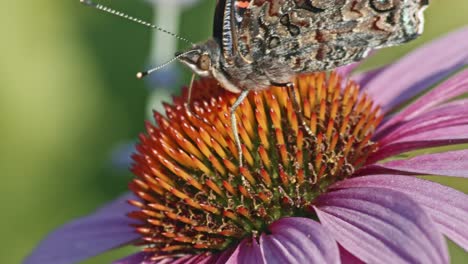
(446,115)
(183,260)
(419,70)
(451,163)
(347,257)
(379,225)
(364,78)
(453,87)
(223,257)
(298,240)
(346,70)
(107,228)
(248,251)
(121,155)
(446,206)
(443,136)
(202,258)
(144,258)
(137,258)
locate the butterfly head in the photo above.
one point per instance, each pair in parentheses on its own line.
(202,59)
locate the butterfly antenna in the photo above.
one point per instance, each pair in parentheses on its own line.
(148,72)
(133,19)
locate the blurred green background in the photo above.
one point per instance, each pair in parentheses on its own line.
(68,95)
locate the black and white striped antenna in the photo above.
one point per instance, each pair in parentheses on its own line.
(133,19)
(114,12)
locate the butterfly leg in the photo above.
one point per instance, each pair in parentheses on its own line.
(236,104)
(291,87)
(188,104)
(189,96)
(298,109)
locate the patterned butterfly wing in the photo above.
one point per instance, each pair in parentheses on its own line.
(314,35)
(218,19)
(228,19)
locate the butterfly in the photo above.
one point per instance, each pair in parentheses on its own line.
(259,43)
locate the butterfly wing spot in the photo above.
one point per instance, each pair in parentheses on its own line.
(273,42)
(307,5)
(294,30)
(382,6)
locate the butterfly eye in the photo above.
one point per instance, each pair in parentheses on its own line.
(204,62)
(382,5)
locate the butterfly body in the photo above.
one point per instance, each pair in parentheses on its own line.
(257,43)
(260,43)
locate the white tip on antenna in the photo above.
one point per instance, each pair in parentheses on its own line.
(140,75)
(133,19)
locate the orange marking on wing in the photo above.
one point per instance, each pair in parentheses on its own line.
(242,4)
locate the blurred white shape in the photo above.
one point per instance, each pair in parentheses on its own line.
(167,14)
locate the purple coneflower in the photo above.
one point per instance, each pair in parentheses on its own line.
(337,196)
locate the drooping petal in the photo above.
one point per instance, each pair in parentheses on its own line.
(446,206)
(450,163)
(346,70)
(248,251)
(409,76)
(381,226)
(451,114)
(182,260)
(453,87)
(121,155)
(298,240)
(443,136)
(137,258)
(347,257)
(189,259)
(107,228)
(145,258)
(220,258)
(363,78)
(202,258)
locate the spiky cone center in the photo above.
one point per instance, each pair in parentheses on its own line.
(195,198)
